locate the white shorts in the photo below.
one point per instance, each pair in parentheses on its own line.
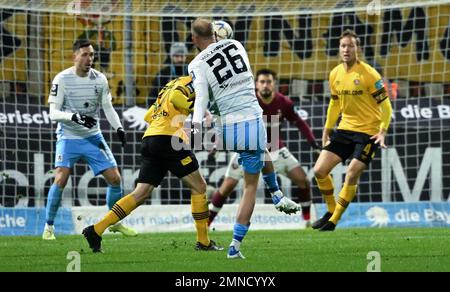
(283,162)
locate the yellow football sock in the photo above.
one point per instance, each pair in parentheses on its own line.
(200,212)
(120,210)
(327,190)
(345,197)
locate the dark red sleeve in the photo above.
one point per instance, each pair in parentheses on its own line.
(293,117)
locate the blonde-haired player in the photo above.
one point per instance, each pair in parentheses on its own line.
(359,97)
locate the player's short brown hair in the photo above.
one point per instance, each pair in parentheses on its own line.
(81,43)
(266,72)
(350,33)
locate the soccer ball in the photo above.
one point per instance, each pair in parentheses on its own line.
(222,30)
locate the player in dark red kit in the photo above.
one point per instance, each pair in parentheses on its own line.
(276,107)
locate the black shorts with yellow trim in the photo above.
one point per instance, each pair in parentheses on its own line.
(159,156)
(349,144)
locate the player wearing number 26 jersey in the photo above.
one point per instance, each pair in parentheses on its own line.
(222,77)
(224,69)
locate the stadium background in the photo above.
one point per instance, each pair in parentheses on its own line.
(408,42)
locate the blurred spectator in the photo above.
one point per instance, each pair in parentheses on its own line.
(176,68)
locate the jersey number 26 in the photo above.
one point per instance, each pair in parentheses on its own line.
(222,64)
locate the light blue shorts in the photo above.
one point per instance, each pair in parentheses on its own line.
(93,150)
(249,139)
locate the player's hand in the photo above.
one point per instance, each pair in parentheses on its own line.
(122,136)
(85,121)
(379,138)
(326,138)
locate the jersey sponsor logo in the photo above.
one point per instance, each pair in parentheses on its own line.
(159,115)
(240,82)
(350,92)
(379,84)
(54,90)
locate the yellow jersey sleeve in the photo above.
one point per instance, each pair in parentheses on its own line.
(331,79)
(179,97)
(333,113)
(386,113)
(375,84)
(334,109)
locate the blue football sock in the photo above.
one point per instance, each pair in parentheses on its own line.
(53,202)
(271,181)
(113,194)
(239,231)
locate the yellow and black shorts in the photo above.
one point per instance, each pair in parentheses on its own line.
(159,156)
(348,144)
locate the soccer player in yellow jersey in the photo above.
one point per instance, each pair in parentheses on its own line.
(359,97)
(164,147)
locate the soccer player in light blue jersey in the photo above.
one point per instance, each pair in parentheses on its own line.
(75,98)
(223,78)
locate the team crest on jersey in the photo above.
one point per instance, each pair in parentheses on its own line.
(356,81)
(59,158)
(54,90)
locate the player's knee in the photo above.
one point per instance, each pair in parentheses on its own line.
(319,173)
(351,177)
(60,182)
(115,180)
(61,178)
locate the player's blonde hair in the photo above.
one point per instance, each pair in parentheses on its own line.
(350,33)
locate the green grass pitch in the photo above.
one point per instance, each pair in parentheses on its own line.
(400,249)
